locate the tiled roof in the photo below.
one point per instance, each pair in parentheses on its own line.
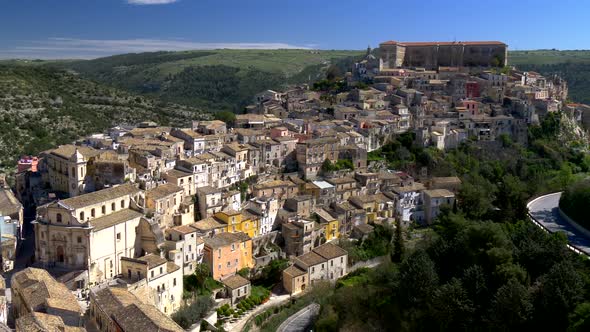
(66,151)
(184,229)
(226,239)
(235,281)
(438,193)
(311,259)
(36,287)
(8,203)
(100,196)
(294,271)
(115,218)
(145,317)
(42,322)
(163,191)
(177,173)
(330,251)
(152,260)
(208,224)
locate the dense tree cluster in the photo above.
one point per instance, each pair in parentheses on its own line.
(575,200)
(484,266)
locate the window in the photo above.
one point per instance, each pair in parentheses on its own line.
(58,216)
(218,253)
(112,206)
(104,209)
(331,263)
(79,239)
(190,247)
(161,270)
(122,204)
(152,273)
(228,264)
(81,216)
(244,245)
(219,267)
(92,213)
(312,269)
(233,247)
(341,260)
(118,236)
(236,262)
(174,282)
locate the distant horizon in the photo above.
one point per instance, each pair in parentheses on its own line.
(243,49)
(73,29)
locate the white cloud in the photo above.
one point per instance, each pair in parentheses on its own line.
(151,2)
(62,48)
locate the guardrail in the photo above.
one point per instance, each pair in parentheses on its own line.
(570,246)
(536,222)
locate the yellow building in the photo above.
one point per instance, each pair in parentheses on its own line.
(329,224)
(238,222)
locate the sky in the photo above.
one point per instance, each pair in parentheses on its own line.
(50,29)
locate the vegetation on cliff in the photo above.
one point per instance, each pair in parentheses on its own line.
(41,108)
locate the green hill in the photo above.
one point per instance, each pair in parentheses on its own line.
(215,80)
(572,65)
(41,108)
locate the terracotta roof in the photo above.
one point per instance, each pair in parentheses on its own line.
(145,317)
(115,218)
(163,191)
(42,322)
(341,180)
(184,229)
(66,151)
(112,299)
(438,193)
(311,259)
(8,203)
(100,196)
(39,290)
(294,271)
(274,184)
(226,239)
(236,281)
(208,224)
(330,251)
(152,260)
(177,173)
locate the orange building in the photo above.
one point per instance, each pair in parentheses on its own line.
(227,253)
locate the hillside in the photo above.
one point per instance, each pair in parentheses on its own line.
(573,66)
(217,79)
(41,108)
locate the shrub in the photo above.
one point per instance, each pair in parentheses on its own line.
(187,315)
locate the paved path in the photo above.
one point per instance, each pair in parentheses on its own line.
(274,300)
(301,320)
(545,210)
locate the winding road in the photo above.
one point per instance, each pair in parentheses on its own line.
(301,320)
(545,211)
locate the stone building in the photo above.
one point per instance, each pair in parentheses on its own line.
(114,309)
(163,280)
(327,262)
(90,232)
(35,291)
(431,55)
(67,168)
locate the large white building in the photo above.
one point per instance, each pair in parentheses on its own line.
(91,231)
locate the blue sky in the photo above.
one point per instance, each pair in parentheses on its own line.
(92,28)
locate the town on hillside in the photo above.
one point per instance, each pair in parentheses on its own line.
(153,228)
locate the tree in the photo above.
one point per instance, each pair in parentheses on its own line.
(557,293)
(511,307)
(226,116)
(451,306)
(398,242)
(418,278)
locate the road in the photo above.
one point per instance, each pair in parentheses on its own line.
(301,320)
(545,210)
